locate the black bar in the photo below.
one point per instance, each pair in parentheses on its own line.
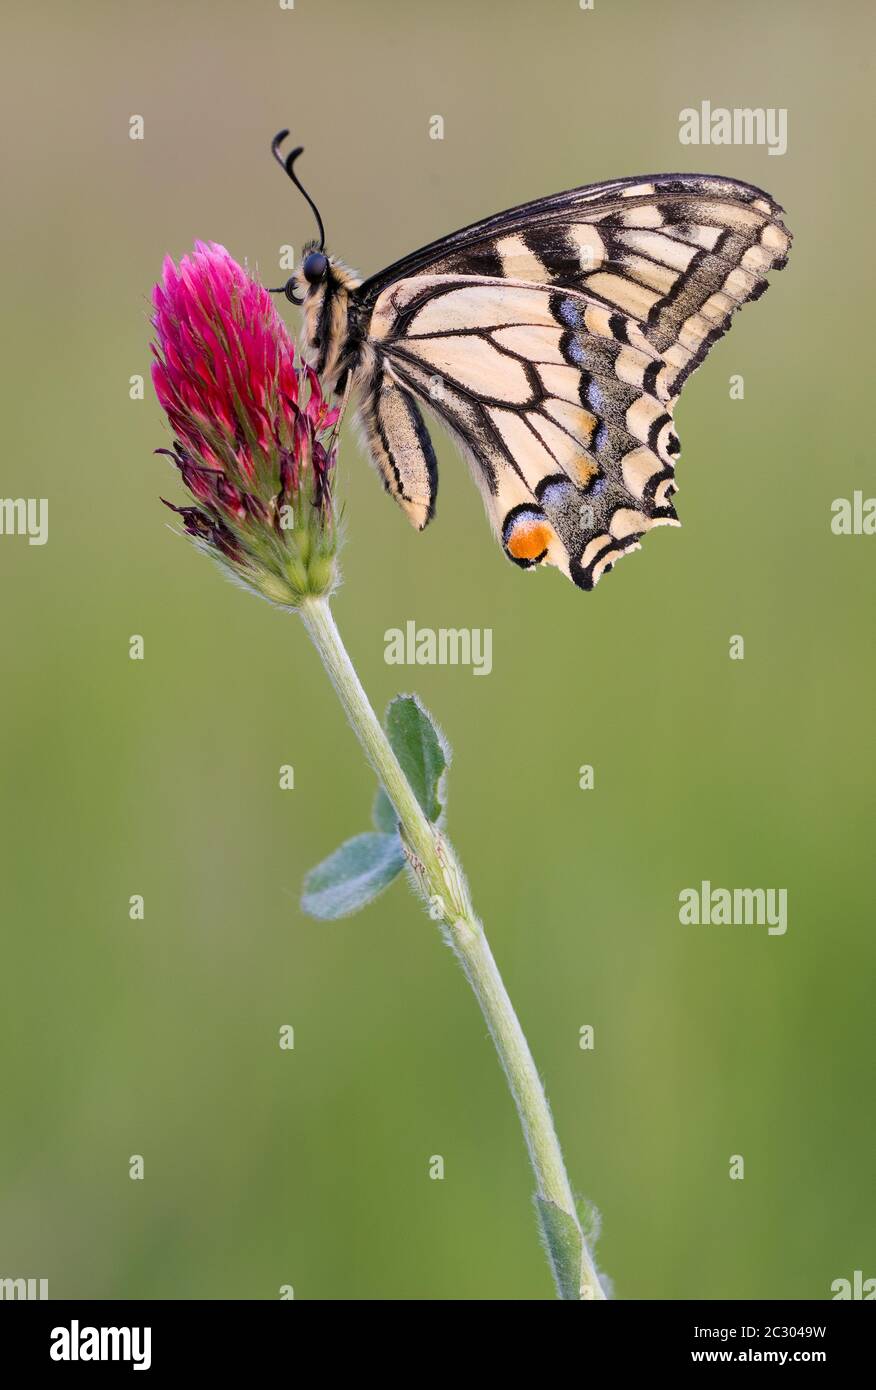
(224,1339)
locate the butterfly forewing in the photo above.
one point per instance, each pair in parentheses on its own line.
(552,341)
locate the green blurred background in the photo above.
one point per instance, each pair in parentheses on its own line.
(160,777)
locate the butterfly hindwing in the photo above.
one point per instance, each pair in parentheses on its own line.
(574,459)
(399,444)
(553,340)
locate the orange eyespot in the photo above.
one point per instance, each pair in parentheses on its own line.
(529,539)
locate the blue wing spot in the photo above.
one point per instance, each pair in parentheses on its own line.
(575,350)
(554,494)
(572,313)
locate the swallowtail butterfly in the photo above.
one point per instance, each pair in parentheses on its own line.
(552,341)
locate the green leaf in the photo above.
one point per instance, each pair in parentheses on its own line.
(422,751)
(352,876)
(565,1247)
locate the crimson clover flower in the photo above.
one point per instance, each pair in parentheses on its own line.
(252,429)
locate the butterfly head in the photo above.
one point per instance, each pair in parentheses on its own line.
(317,276)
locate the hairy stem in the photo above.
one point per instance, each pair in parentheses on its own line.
(443,885)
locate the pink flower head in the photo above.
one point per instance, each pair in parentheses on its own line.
(251,427)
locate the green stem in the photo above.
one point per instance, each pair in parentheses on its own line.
(444,888)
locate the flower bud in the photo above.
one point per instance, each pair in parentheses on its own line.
(253,439)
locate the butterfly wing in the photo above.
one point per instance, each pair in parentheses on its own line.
(553,341)
(543,390)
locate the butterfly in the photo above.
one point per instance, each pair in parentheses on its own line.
(552,342)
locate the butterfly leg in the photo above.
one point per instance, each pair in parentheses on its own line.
(345,401)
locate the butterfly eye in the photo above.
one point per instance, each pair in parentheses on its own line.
(314,267)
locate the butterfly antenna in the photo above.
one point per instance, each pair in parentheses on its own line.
(288,163)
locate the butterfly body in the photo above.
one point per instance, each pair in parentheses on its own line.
(552,342)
